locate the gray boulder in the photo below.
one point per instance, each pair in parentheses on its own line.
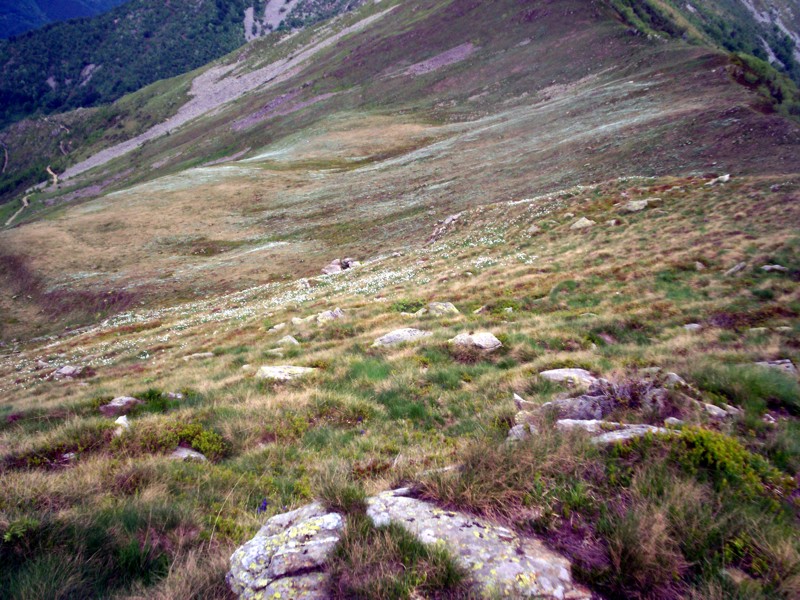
(440,309)
(400,336)
(579,377)
(182,453)
(785,365)
(583,223)
(482,341)
(634,206)
(120,406)
(330,315)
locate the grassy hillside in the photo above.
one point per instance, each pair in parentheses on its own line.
(480,153)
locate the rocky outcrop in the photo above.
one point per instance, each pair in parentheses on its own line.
(286,558)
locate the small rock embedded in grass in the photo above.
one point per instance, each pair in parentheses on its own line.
(721,179)
(119,406)
(72,372)
(122,425)
(774,269)
(635,205)
(693,327)
(182,453)
(330,315)
(283,372)
(199,356)
(400,336)
(583,223)
(580,377)
(715,411)
(440,309)
(288,341)
(785,365)
(735,269)
(483,340)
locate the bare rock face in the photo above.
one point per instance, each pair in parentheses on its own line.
(286,558)
(283,372)
(400,336)
(482,341)
(120,406)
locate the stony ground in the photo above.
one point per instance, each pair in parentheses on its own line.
(592,277)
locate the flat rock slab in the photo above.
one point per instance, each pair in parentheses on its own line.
(501,562)
(400,336)
(283,555)
(120,406)
(482,341)
(609,431)
(571,376)
(283,372)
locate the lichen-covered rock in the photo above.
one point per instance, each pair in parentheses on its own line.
(440,309)
(502,563)
(580,377)
(482,341)
(283,372)
(399,336)
(285,558)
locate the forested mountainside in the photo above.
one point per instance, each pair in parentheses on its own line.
(89,62)
(19,16)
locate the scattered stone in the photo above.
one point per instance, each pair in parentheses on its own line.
(758,330)
(330,315)
(769,419)
(721,179)
(122,425)
(628,433)
(520,432)
(286,557)
(693,327)
(246,367)
(569,215)
(610,432)
(613,222)
(774,268)
(182,453)
(785,365)
(278,327)
(71,372)
(288,340)
(120,406)
(400,336)
(199,356)
(523,404)
(482,341)
(580,377)
(174,396)
(283,372)
(533,230)
(582,408)
(735,269)
(699,266)
(673,422)
(582,223)
(635,205)
(440,309)
(732,410)
(673,380)
(335,266)
(715,411)
(480,310)
(350,263)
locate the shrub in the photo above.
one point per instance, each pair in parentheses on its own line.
(408,306)
(170,436)
(726,462)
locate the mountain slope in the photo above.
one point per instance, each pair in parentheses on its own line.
(89,62)
(19,16)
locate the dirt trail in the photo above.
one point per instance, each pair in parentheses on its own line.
(53,175)
(16,214)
